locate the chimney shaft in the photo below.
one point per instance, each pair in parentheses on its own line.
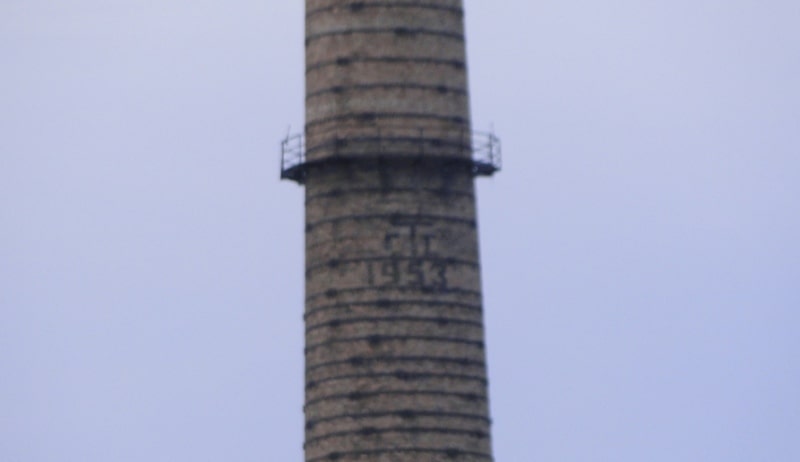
(395,362)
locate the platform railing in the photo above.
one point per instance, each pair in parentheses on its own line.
(293,158)
(481,149)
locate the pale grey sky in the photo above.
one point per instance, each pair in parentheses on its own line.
(640,249)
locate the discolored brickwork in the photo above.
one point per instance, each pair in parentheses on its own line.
(394,70)
(395,361)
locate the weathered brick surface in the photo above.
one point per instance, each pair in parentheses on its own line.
(385,69)
(395,360)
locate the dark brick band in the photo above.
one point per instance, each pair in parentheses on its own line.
(357,6)
(378,339)
(362,360)
(397,31)
(448,453)
(405,376)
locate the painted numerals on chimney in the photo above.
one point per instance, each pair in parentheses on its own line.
(426,274)
(411,261)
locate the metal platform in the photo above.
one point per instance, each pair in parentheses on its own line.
(482,150)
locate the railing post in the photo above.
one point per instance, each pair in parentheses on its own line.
(491,149)
(283,154)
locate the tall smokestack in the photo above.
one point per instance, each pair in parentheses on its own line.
(395,360)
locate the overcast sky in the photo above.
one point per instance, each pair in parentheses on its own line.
(640,250)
